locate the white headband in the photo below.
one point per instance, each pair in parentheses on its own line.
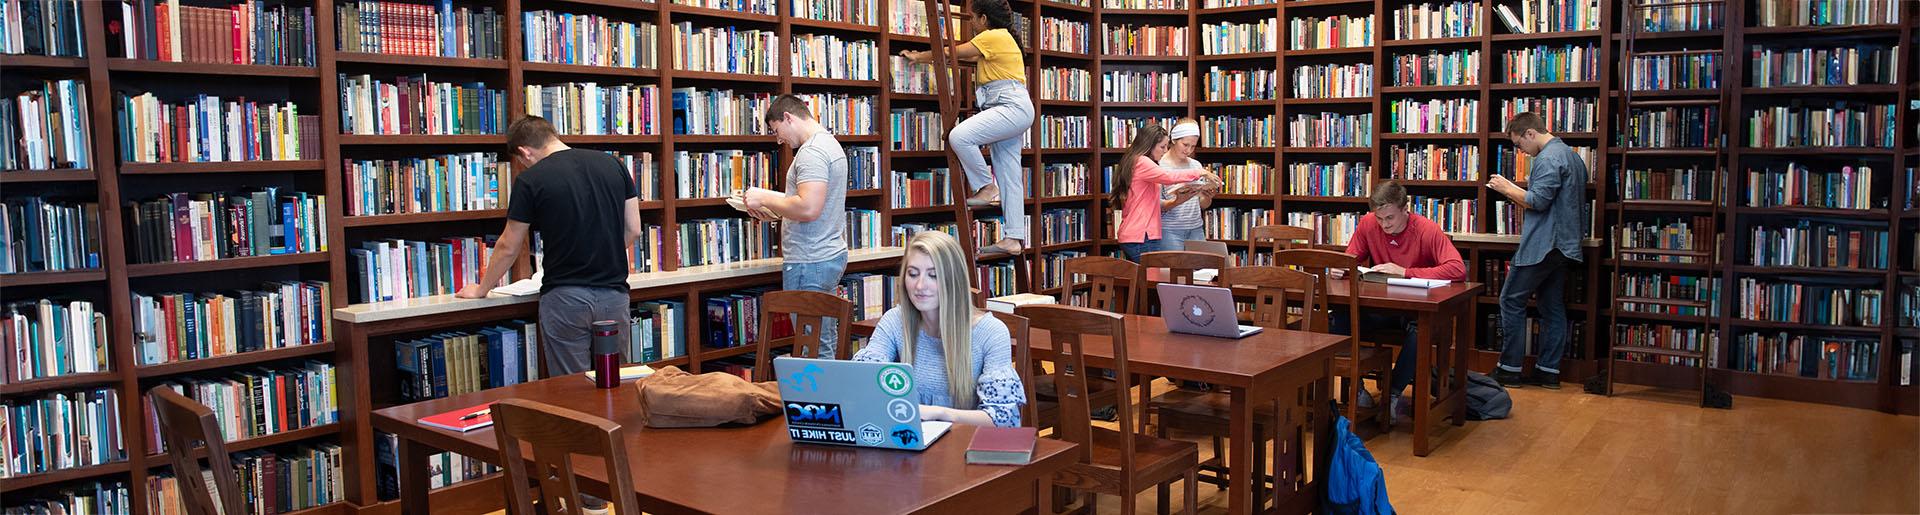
(1184,130)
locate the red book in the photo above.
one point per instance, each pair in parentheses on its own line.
(462,420)
(1002,445)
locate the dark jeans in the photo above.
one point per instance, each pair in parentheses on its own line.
(1544,281)
(1134,250)
(1402,366)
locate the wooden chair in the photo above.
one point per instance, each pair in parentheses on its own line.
(1277,238)
(1181,264)
(1208,246)
(1210,413)
(556,434)
(1113,284)
(1115,462)
(1361,358)
(186,426)
(807,309)
(1023,363)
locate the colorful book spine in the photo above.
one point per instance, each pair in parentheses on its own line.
(733,320)
(715,241)
(1340,179)
(1672,127)
(1118,131)
(1143,86)
(1837,66)
(1453,215)
(915,189)
(1687,70)
(909,18)
(1176,5)
(211,129)
(917,78)
(416,105)
(1144,40)
(872,294)
(843,114)
(1338,31)
(1436,68)
(1333,81)
(1226,38)
(865,229)
(1220,4)
(1562,114)
(46,128)
(397,269)
(1802,303)
(42,27)
(826,56)
(250,32)
(588,40)
(1547,63)
(997,279)
(1053,267)
(401,28)
(1434,116)
(1809,356)
(1545,16)
(1434,162)
(1689,184)
(857,12)
(1062,226)
(1235,223)
(1797,185)
(278,481)
(863,168)
(1662,286)
(725,49)
(183,227)
(44,235)
(657,331)
(647,250)
(1808,244)
(1240,85)
(442,183)
(1228,131)
(904,232)
(912,129)
(1071,84)
(175,327)
(1839,125)
(1330,130)
(465,361)
(1682,18)
(1429,21)
(720,173)
(1516,165)
(1059,35)
(723,112)
(47,338)
(1812,13)
(103,497)
(1665,336)
(1063,180)
(1063,131)
(1248,178)
(58,431)
(766,7)
(258,402)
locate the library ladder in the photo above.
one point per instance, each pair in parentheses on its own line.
(1705,261)
(944,61)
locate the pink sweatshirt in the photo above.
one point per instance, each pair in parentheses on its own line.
(1140,217)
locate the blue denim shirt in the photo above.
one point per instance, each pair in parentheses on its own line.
(1556,190)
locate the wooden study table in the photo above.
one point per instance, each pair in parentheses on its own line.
(1269,366)
(751,469)
(1445,310)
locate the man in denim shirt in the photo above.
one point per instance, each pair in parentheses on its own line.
(1550,236)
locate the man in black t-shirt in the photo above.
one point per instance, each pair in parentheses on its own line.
(583,204)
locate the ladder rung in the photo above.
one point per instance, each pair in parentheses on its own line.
(1661,352)
(1663,302)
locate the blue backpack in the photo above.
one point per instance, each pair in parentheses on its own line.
(1355,483)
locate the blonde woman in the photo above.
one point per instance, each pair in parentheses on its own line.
(1181,204)
(962,357)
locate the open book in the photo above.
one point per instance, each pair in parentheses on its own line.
(737,202)
(1372,275)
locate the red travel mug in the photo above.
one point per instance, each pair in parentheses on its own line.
(606,353)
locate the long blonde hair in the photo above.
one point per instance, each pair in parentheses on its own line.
(956,311)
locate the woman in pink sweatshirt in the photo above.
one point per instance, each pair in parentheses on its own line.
(1139,172)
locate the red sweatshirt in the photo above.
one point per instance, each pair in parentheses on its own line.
(1424,249)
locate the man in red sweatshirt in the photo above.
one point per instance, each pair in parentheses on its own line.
(1399,242)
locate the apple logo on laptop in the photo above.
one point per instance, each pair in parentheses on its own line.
(1196,310)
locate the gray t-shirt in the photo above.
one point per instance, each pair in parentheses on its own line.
(819,159)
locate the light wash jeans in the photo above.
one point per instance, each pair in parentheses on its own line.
(822,277)
(1134,250)
(1006,112)
(1176,239)
(1544,282)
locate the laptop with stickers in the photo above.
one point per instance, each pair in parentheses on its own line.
(1202,310)
(858,403)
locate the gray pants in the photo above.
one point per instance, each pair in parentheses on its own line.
(1005,114)
(1176,239)
(567,314)
(822,277)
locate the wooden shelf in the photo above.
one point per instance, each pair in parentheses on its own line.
(1543,85)
(1667,152)
(628,4)
(218,69)
(1065,6)
(1227,150)
(1663,205)
(1440,183)
(873,30)
(1571,34)
(1143,58)
(15,61)
(582,69)
(1325,101)
(1390,90)
(1801,270)
(231,360)
(1864,89)
(1056,54)
(723,14)
(1359,50)
(1296,4)
(1239,9)
(1663,317)
(1802,326)
(1672,93)
(421,218)
(1683,34)
(308,165)
(17,483)
(220,265)
(610,139)
(45,278)
(929,97)
(726,76)
(420,61)
(922,210)
(57,175)
(1235,103)
(1801,151)
(61,382)
(1813,211)
(710,355)
(422,139)
(1437,136)
(839,83)
(1657,265)
(917,153)
(871,192)
(1056,247)
(701,202)
(1327,150)
(697,138)
(1069,199)
(1431,41)
(1825,30)
(1324,198)
(159,460)
(1236,57)
(1066,103)
(1245,196)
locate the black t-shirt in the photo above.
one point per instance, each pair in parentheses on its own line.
(576,199)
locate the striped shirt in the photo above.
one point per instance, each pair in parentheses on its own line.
(1187,214)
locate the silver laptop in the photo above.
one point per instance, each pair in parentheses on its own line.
(858,403)
(1203,310)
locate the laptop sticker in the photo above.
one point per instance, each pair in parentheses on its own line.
(895,380)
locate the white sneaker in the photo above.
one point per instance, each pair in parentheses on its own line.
(1366,399)
(1398,406)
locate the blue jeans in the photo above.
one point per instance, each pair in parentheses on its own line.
(1543,281)
(823,277)
(1006,112)
(1403,366)
(1134,250)
(1176,239)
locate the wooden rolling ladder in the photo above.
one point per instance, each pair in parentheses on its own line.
(943,35)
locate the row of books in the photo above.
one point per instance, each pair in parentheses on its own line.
(719,112)
(912,129)
(1838,66)
(282,481)
(1808,244)
(248,32)
(443,469)
(1247,178)
(1664,286)
(46,127)
(48,338)
(1436,68)
(725,49)
(1053,267)
(1143,86)
(1682,18)
(656,330)
(1535,335)
(416,105)
(400,28)
(465,361)
(1175,5)
(1434,116)
(1144,40)
(1672,127)
(826,56)
(1333,81)
(1240,85)
(1682,234)
(43,235)
(1227,37)
(178,326)
(1908,313)
(103,497)
(858,12)
(1543,16)
(909,18)
(1510,217)
(911,77)
(1339,179)
(1691,338)
(1328,228)
(1235,223)
(1059,226)
(990,229)
(1073,84)
(1562,114)
(1690,70)
(645,253)
(1217,4)
(864,229)
(1798,303)
(863,168)
(1338,31)
(1548,63)
(1517,165)
(589,108)
(843,114)
(211,129)
(1839,125)
(1330,129)
(258,402)
(997,279)
(589,40)
(1228,131)
(1692,183)
(60,430)
(1841,358)
(446,182)
(1064,131)
(1063,180)
(904,232)
(1796,185)
(183,227)
(765,7)
(1434,162)
(1118,131)
(42,27)
(733,320)
(1458,19)
(1060,35)
(1453,215)
(398,269)
(1806,13)
(928,188)
(714,241)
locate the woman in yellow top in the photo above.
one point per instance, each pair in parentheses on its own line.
(1006,112)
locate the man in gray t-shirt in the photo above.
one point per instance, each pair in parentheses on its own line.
(813,212)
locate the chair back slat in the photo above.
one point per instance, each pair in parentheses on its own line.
(556,435)
(1112,284)
(188,427)
(1181,264)
(1071,329)
(1023,363)
(808,310)
(1277,238)
(1275,291)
